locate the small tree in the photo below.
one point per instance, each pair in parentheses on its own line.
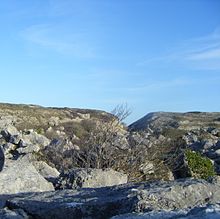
(103,148)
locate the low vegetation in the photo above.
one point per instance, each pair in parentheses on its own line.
(201,167)
(95,139)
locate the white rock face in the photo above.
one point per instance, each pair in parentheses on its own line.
(21,176)
(147,168)
(21,143)
(33,138)
(100,178)
(91,178)
(46,171)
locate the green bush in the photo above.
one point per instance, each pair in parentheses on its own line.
(200,167)
(40,131)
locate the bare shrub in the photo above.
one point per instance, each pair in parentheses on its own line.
(100,147)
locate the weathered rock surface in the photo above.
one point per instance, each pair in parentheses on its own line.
(16,214)
(10,134)
(90,178)
(112,201)
(22,142)
(202,212)
(51,174)
(21,176)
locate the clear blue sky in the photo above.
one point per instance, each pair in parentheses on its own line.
(154,55)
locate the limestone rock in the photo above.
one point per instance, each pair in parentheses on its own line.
(201,212)
(90,178)
(28,149)
(22,142)
(9,130)
(15,214)
(147,168)
(27,128)
(6,120)
(217,152)
(11,134)
(48,172)
(33,138)
(124,199)
(216,132)
(208,143)
(215,179)
(21,176)
(217,144)
(8,147)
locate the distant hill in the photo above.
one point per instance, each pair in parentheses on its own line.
(50,121)
(186,121)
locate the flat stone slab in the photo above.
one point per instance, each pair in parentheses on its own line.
(123,199)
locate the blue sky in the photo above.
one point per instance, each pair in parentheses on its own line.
(154,55)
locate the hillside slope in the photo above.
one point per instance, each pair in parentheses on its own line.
(57,133)
(151,148)
(185,121)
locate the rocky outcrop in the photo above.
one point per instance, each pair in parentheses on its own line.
(16,143)
(51,122)
(201,212)
(15,214)
(170,134)
(21,176)
(28,129)
(155,121)
(124,199)
(56,134)
(33,138)
(51,174)
(90,178)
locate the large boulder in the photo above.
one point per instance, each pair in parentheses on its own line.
(33,138)
(11,134)
(201,212)
(90,178)
(21,176)
(111,201)
(49,173)
(9,148)
(24,142)
(16,214)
